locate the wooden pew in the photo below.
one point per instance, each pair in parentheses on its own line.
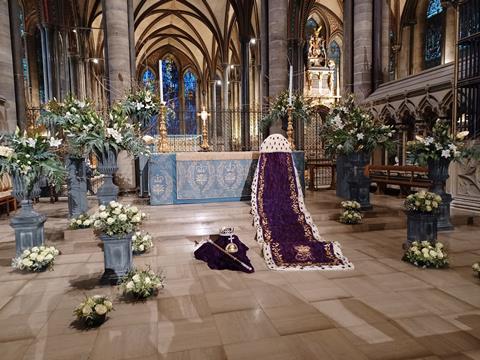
(404,176)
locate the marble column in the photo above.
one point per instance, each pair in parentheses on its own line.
(7,81)
(118,64)
(277,43)
(362,48)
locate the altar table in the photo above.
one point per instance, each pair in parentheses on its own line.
(199,177)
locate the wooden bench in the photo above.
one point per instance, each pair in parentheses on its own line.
(404,176)
(6,197)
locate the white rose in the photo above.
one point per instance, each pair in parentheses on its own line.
(136,278)
(136,219)
(32,256)
(110,221)
(147,280)
(86,310)
(102,208)
(49,257)
(87,222)
(27,262)
(35,249)
(100,309)
(122,217)
(103,215)
(130,285)
(117,211)
(40,258)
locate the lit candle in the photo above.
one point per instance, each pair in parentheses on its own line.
(160,80)
(290,86)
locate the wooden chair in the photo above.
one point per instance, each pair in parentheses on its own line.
(6,197)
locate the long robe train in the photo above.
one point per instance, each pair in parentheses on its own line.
(285,229)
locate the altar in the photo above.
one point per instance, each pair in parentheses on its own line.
(200,177)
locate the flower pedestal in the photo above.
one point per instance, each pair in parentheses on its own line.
(77,186)
(342,187)
(421,227)
(438,173)
(359,183)
(28,224)
(107,165)
(117,254)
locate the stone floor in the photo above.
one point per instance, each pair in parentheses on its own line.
(384,309)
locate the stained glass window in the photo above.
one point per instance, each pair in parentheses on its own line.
(148,79)
(190,93)
(434,29)
(434,8)
(170,94)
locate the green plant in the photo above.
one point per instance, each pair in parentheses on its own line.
(142,105)
(142,283)
(423,201)
(349,128)
(301,109)
(424,254)
(30,157)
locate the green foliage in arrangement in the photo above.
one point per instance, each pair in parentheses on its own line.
(424,254)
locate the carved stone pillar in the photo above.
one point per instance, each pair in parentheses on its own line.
(277,43)
(362,48)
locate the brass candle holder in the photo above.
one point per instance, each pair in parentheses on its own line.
(290,133)
(204,116)
(162,145)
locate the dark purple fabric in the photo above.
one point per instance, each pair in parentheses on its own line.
(284,226)
(217,260)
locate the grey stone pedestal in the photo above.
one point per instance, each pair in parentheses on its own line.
(421,227)
(438,173)
(107,165)
(359,183)
(77,186)
(117,255)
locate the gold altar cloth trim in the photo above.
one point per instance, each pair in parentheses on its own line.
(231,155)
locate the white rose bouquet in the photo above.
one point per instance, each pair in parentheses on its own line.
(141,242)
(349,128)
(83,221)
(476,268)
(142,283)
(350,212)
(424,254)
(423,201)
(93,310)
(37,258)
(116,219)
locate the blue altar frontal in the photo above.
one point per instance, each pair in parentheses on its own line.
(198,177)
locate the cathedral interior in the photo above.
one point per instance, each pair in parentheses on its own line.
(407,62)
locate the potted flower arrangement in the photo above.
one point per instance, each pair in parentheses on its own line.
(80,227)
(73,118)
(350,213)
(476,269)
(82,221)
(115,134)
(93,310)
(36,259)
(424,254)
(301,111)
(116,224)
(141,105)
(352,133)
(421,209)
(141,242)
(27,158)
(142,283)
(437,152)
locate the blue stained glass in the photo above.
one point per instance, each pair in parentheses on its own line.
(148,79)
(434,8)
(190,93)
(170,95)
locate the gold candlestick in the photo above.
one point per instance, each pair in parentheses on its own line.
(162,145)
(204,116)
(290,138)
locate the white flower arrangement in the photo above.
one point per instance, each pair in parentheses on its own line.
(142,283)
(351,205)
(83,221)
(476,268)
(37,258)
(141,242)
(440,145)
(423,201)
(424,254)
(141,104)
(93,310)
(350,212)
(116,219)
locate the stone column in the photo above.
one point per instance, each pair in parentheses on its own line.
(118,68)
(385,39)
(362,48)
(245,96)
(377,43)
(348,19)
(264,50)
(7,81)
(277,43)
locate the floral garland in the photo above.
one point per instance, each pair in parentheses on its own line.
(349,128)
(440,145)
(301,110)
(424,254)
(423,201)
(31,156)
